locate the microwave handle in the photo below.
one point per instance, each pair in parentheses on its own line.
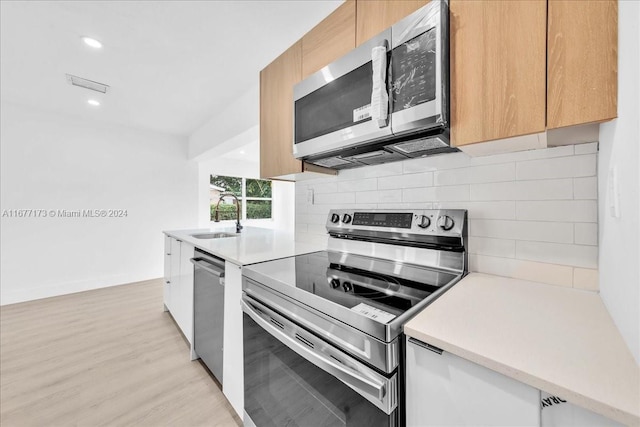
(379,93)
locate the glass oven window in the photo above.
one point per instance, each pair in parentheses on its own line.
(284,389)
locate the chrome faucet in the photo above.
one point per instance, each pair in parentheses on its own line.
(217,217)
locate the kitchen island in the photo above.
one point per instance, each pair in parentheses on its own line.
(252,245)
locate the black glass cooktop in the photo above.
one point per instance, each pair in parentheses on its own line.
(329,275)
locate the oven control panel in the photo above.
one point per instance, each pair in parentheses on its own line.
(383,219)
(444,222)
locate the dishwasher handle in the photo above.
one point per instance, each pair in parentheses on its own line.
(212,268)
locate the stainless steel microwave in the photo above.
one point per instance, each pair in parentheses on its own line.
(386,100)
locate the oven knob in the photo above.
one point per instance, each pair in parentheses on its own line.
(347,286)
(424,221)
(445,222)
(335,218)
(346,218)
(335,283)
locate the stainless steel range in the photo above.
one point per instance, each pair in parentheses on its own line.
(323,340)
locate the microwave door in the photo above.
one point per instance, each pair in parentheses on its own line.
(419,87)
(332,107)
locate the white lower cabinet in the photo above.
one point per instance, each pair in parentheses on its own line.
(178,296)
(167,273)
(233,356)
(557,412)
(446,390)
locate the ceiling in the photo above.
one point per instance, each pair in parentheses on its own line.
(170,65)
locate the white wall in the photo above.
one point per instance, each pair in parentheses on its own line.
(51,161)
(619,150)
(532,215)
(240,116)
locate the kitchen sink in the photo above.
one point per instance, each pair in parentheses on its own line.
(214,235)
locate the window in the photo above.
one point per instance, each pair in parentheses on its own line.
(254,196)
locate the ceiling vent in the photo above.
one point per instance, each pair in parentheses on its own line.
(87,84)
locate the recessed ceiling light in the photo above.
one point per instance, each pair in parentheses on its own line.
(92,42)
(93,102)
(241,151)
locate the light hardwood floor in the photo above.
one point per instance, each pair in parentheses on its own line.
(107,357)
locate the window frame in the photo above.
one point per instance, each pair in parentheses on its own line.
(243,199)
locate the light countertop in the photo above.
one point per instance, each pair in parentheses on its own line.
(559,340)
(252,245)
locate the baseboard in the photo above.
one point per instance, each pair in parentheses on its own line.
(56,289)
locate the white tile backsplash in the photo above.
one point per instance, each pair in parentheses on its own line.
(431,194)
(557,210)
(575,255)
(532,214)
(561,167)
(482,210)
(412,180)
(537,231)
(380,196)
(334,198)
(585,188)
(589,148)
(493,247)
(548,189)
(586,234)
(358,185)
(475,174)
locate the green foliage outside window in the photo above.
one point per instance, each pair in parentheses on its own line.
(225,212)
(230,184)
(257,209)
(255,189)
(258,188)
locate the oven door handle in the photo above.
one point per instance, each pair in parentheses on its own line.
(351,377)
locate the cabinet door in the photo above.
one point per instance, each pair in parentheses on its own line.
(582,62)
(233,355)
(446,390)
(167,273)
(498,63)
(276,114)
(182,295)
(174,269)
(374,16)
(330,39)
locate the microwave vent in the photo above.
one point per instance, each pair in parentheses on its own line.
(376,157)
(332,162)
(415,146)
(87,84)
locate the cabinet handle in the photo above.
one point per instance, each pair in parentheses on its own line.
(425,345)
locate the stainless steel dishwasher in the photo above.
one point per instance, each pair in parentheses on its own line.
(208,307)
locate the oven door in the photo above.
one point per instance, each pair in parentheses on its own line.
(294,378)
(332,107)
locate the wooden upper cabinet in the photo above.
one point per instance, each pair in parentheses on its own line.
(276,114)
(374,16)
(582,62)
(498,69)
(332,38)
